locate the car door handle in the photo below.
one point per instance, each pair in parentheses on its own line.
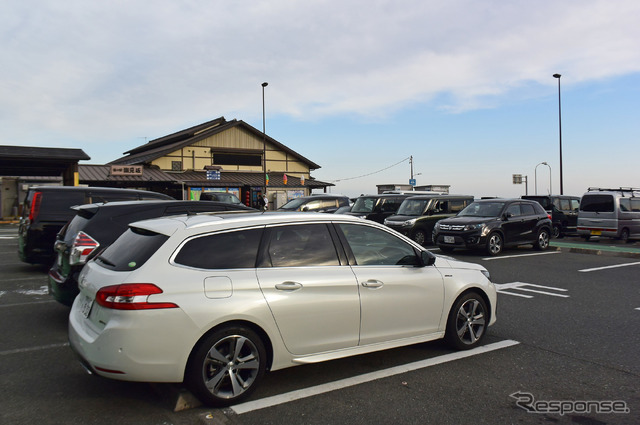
(288,286)
(371,283)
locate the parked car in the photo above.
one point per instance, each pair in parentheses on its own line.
(613,213)
(217,301)
(47,208)
(417,215)
(563,210)
(96,226)
(343,210)
(316,203)
(228,198)
(377,207)
(493,224)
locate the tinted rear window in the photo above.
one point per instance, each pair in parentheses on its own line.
(61,202)
(597,203)
(131,250)
(231,250)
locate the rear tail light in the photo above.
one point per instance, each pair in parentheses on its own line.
(35,206)
(131,296)
(83,245)
(549,215)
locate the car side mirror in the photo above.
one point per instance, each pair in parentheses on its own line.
(507,216)
(427,258)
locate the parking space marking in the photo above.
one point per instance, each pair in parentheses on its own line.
(504,257)
(26,350)
(367,377)
(609,267)
(23,304)
(521,286)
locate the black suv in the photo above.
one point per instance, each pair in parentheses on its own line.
(96,226)
(376,207)
(493,224)
(417,215)
(563,210)
(316,203)
(47,208)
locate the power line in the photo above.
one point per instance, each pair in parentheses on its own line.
(370,174)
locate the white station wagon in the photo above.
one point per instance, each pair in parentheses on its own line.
(216,300)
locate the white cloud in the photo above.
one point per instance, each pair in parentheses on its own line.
(90,72)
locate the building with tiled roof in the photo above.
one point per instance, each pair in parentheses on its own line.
(231,156)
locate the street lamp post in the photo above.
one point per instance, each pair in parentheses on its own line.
(264,144)
(536,176)
(560,128)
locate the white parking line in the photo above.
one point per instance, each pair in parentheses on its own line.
(609,267)
(521,286)
(26,350)
(367,377)
(520,255)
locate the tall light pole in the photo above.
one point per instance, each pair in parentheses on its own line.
(536,176)
(560,128)
(264,144)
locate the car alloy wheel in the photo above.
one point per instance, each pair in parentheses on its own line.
(494,244)
(467,322)
(557,232)
(542,242)
(419,237)
(226,366)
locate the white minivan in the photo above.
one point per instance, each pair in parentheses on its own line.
(613,213)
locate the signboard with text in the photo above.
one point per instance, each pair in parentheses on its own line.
(126,170)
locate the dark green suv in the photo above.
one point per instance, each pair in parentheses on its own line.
(418,214)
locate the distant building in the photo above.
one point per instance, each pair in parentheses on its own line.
(440,188)
(229,156)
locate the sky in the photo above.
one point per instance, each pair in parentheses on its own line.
(463,87)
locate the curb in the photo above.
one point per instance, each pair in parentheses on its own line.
(607,252)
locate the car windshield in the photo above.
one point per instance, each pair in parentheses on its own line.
(364,205)
(413,206)
(229,198)
(482,209)
(293,204)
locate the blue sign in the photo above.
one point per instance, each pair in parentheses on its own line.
(213,175)
(412,182)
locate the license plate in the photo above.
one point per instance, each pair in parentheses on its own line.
(449,239)
(85,306)
(596,233)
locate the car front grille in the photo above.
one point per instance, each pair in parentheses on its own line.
(454,227)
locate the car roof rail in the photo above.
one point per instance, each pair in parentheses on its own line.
(622,190)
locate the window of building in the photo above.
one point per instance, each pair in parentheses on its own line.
(237,159)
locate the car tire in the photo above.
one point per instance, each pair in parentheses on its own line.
(557,231)
(420,237)
(467,322)
(624,235)
(542,241)
(495,243)
(226,366)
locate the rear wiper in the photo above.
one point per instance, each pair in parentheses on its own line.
(107,262)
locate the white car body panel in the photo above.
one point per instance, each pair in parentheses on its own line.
(333,315)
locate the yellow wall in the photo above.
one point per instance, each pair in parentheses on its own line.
(198,155)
